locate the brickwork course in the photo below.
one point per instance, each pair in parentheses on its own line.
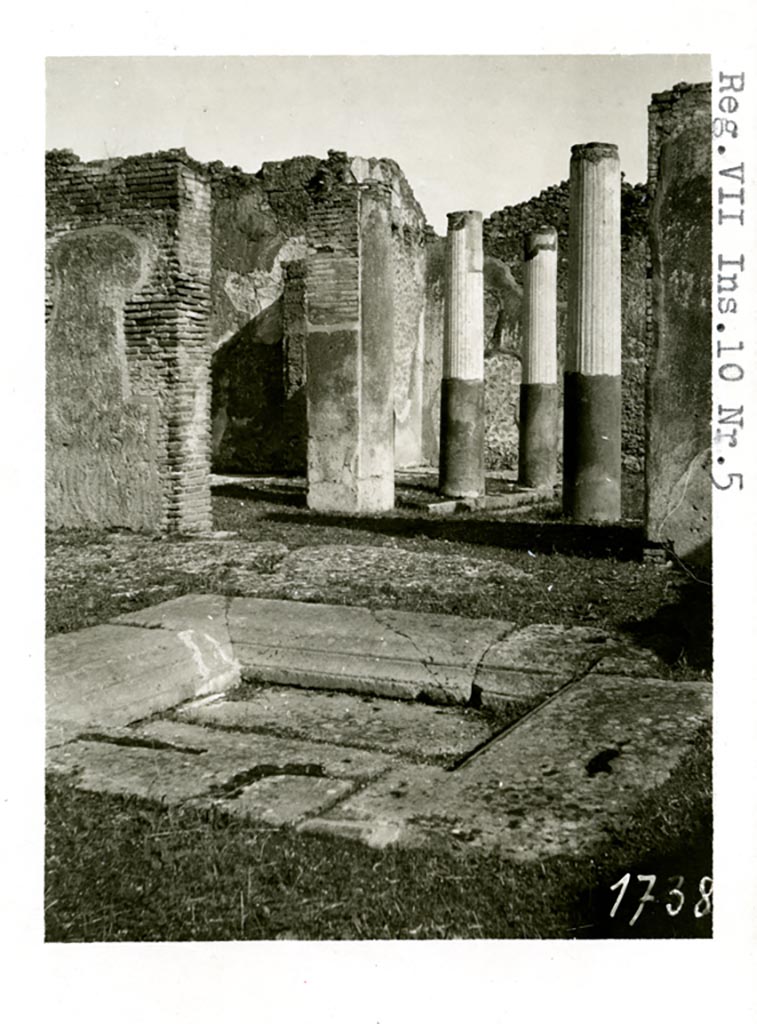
(128,302)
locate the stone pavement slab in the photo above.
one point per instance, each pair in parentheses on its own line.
(517,497)
(286,799)
(562,650)
(174,762)
(411,729)
(116,673)
(385,653)
(556,783)
(531,664)
(201,612)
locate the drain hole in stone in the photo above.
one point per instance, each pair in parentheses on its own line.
(601,761)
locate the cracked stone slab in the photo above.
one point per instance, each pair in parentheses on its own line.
(174,762)
(116,674)
(557,783)
(393,726)
(385,653)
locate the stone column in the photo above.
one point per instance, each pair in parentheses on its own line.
(461,454)
(537,455)
(592,399)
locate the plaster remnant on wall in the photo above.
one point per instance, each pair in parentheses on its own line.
(101,438)
(678,424)
(255,291)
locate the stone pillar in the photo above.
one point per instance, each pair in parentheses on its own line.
(350,363)
(461,454)
(537,455)
(592,398)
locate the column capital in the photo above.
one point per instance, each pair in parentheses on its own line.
(461,218)
(544,237)
(593,152)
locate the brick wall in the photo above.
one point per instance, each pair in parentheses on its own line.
(128,274)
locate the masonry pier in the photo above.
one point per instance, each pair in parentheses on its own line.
(461,453)
(678,480)
(592,399)
(350,364)
(537,452)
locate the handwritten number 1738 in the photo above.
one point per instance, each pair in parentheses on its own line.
(675,897)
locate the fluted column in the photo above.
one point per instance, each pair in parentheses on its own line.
(592,399)
(537,451)
(461,443)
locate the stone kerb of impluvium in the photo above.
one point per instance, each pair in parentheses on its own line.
(461,454)
(592,398)
(537,454)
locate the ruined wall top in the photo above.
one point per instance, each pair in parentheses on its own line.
(291,186)
(679,90)
(62,158)
(670,113)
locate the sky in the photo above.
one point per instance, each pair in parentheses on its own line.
(470,132)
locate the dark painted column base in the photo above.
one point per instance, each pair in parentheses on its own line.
(537,450)
(591,448)
(461,449)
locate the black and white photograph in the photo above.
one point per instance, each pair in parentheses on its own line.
(394,435)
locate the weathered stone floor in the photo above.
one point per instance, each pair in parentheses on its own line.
(381,726)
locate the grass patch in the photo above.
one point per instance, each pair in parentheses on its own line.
(533,569)
(122,869)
